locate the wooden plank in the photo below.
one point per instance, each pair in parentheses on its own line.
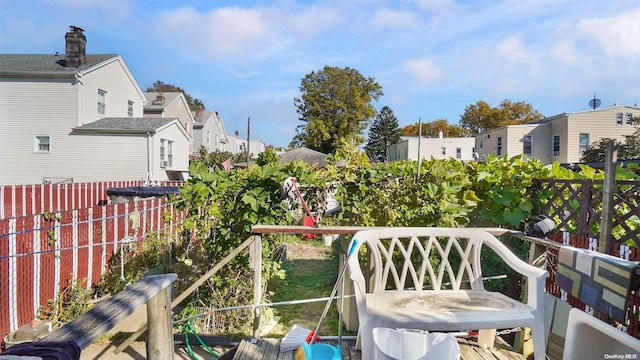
(339,230)
(89,326)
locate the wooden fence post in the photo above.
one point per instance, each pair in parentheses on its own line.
(609,187)
(160,329)
(256,252)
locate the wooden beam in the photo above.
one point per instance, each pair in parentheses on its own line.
(339,230)
(96,322)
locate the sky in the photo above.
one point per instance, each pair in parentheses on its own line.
(246,59)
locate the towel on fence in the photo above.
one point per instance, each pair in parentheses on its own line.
(599,280)
(47,350)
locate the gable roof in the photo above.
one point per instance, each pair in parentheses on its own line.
(45,64)
(307,155)
(128,125)
(152,106)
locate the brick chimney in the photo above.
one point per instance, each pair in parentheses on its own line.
(159,99)
(75,51)
(199,112)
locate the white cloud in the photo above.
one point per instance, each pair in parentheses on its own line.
(436,6)
(385,17)
(514,51)
(242,35)
(425,70)
(619,35)
(223,32)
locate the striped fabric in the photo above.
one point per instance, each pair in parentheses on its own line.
(599,280)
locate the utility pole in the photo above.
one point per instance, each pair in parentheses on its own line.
(248,140)
(419,142)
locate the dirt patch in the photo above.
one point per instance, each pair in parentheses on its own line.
(304,251)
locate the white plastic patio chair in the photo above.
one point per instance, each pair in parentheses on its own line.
(431,279)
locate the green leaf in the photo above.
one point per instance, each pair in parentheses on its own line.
(251,201)
(514,217)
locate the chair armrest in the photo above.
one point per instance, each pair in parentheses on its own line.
(535,276)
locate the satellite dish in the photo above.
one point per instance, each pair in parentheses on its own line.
(595,102)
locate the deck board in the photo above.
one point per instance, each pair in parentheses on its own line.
(269,349)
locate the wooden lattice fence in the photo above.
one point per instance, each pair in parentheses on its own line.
(576,206)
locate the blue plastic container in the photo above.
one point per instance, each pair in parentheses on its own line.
(322,352)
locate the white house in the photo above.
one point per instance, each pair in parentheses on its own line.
(170,105)
(47,103)
(410,147)
(209,130)
(562,137)
(238,145)
(148,148)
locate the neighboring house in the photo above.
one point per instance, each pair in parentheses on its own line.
(562,137)
(311,157)
(238,145)
(208,130)
(160,144)
(47,103)
(438,148)
(170,105)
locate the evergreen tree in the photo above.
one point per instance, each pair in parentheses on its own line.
(383,132)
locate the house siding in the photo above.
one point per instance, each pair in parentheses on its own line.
(179,109)
(598,124)
(29,108)
(513,141)
(181,151)
(559,127)
(490,142)
(113,78)
(122,157)
(407,148)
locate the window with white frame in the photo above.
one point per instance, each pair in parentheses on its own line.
(217,141)
(619,118)
(102,102)
(527,144)
(629,119)
(163,149)
(458,153)
(130,108)
(42,144)
(480,144)
(208,138)
(443,151)
(556,145)
(583,143)
(169,153)
(499,145)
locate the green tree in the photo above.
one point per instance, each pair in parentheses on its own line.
(335,104)
(433,128)
(213,159)
(481,116)
(628,149)
(267,157)
(383,132)
(160,86)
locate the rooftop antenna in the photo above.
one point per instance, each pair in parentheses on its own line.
(595,102)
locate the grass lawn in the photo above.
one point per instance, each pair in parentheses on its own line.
(312,270)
